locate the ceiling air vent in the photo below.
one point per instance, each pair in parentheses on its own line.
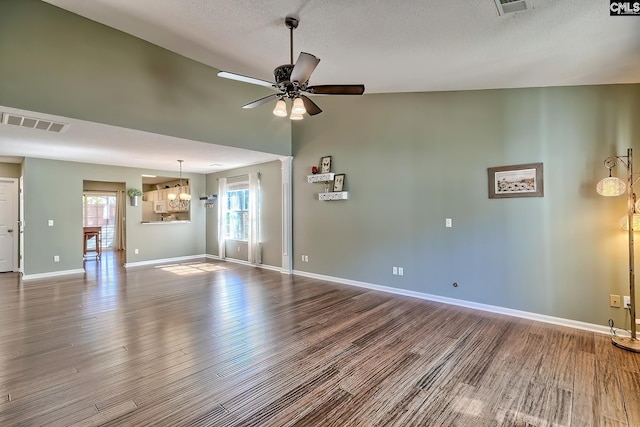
(510,6)
(33,123)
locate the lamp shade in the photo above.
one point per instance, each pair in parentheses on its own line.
(298,107)
(624,222)
(611,186)
(185,196)
(295,116)
(171,196)
(281,108)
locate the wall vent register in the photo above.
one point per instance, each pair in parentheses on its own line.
(33,123)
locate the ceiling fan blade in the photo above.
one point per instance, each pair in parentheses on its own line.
(305,65)
(310,106)
(336,90)
(261,101)
(241,78)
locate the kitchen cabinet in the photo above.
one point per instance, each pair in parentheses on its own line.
(150,196)
(175,205)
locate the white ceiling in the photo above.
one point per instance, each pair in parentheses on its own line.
(90,142)
(389,46)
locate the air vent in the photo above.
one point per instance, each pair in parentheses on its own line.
(510,6)
(33,123)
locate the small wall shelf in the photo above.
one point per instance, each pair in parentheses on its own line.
(321,177)
(338,195)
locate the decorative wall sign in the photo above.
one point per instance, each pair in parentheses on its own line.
(338,182)
(516,181)
(325,164)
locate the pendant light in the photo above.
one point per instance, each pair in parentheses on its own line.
(184,197)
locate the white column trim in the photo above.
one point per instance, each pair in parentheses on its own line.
(287,223)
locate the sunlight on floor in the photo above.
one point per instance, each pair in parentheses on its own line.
(467,406)
(188,269)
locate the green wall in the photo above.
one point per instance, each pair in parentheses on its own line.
(59,63)
(271,214)
(53,190)
(412,160)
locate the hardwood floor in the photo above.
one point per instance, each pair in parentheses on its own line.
(219,344)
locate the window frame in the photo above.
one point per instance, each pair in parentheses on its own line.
(242,209)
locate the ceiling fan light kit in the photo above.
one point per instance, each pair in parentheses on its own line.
(292,82)
(281,108)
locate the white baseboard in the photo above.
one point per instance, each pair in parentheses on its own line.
(468,304)
(51,274)
(243,262)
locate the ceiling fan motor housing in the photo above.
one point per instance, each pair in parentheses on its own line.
(284,84)
(283,73)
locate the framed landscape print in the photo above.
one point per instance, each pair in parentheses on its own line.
(516,181)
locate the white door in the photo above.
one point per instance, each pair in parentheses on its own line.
(8,224)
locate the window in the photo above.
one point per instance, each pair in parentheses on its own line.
(237,215)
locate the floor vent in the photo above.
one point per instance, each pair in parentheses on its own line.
(33,123)
(510,6)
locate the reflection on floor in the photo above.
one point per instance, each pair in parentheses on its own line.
(111,263)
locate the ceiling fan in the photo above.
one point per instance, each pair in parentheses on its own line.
(292,82)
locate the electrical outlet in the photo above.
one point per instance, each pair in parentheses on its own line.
(448,223)
(50,223)
(136,251)
(626,301)
(614,300)
(306,258)
(302,258)
(395,271)
(400,271)
(56,258)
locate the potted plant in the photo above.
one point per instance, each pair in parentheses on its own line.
(134,195)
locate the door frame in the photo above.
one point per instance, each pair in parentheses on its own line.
(14,220)
(21,225)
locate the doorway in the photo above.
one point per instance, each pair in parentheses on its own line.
(103,208)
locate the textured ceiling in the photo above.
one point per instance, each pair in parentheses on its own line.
(403,46)
(392,46)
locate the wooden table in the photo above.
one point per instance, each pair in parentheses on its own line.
(90,233)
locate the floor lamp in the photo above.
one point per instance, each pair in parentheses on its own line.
(612,186)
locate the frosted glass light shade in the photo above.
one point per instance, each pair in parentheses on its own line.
(171,196)
(185,196)
(611,186)
(624,222)
(298,107)
(295,116)
(281,108)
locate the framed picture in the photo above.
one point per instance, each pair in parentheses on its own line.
(325,164)
(516,181)
(338,182)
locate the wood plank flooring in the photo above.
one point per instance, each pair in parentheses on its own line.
(209,343)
